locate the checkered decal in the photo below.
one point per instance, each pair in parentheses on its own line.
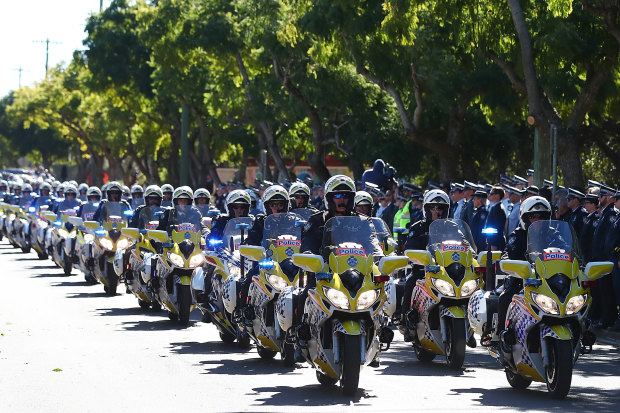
(422,301)
(476,318)
(546,331)
(521,321)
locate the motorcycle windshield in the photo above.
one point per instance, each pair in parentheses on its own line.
(449,231)
(232,234)
(304,213)
(552,240)
(381,228)
(187,224)
(348,236)
(149,217)
(282,235)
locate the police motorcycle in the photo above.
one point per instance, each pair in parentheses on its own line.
(107,240)
(21,224)
(384,235)
(228,268)
(546,327)
(344,312)
(277,274)
(4,219)
(170,278)
(437,319)
(62,234)
(130,262)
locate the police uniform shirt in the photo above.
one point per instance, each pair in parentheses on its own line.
(513,216)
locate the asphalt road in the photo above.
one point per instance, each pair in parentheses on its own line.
(67,347)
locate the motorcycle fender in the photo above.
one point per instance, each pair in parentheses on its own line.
(349,327)
(559,332)
(185,279)
(454,312)
(198,279)
(118,263)
(390,303)
(284,308)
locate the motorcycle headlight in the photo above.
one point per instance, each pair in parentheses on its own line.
(469,287)
(176,259)
(367,298)
(122,244)
(196,260)
(576,303)
(106,243)
(277,282)
(88,237)
(443,287)
(337,298)
(546,303)
(63,233)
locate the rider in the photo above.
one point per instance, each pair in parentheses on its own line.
(83,189)
(44,197)
(436,205)
(114,193)
(182,212)
(363,203)
(237,206)
(299,193)
(202,199)
(88,209)
(152,198)
(137,196)
(533,209)
(70,200)
(167,190)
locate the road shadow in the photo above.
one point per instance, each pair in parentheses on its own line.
(597,363)
(89,295)
(50,275)
(34,258)
(157,325)
(128,312)
(251,366)
(42,267)
(208,347)
(536,396)
(314,395)
(72,284)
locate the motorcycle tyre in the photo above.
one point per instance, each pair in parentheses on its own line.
(325,380)
(559,374)
(244,341)
(351,364)
(227,338)
(455,351)
(172,316)
(42,255)
(424,356)
(155,306)
(517,381)
(25,250)
(288,354)
(265,353)
(143,304)
(185,303)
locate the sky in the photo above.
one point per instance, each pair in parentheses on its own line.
(24,22)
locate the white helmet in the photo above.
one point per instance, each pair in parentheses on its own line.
(202,193)
(26,188)
(167,188)
(534,205)
(275,193)
(436,197)
(363,198)
(299,188)
(238,196)
(182,192)
(339,184)
(136,189)
(93,191)
(153,190)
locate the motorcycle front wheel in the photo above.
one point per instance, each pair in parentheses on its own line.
(517,381)
(288,354)
(265,353)
(455,343)
(351,360)
(559,372)
(185,303)
(111,278)
(67,262)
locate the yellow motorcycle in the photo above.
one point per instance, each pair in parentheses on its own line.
(437,319)
(181,254)
(343,315)
(277,273)
(545,329)
(108,239)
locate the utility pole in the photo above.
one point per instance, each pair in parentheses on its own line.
(20,70)
(47,52)
(184,173)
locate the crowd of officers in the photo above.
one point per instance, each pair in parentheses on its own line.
(593,212)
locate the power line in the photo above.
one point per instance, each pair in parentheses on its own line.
(47,51)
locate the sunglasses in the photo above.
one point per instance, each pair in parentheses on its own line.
(237,207)
(276,204)
(343,195)
(536,215)
(435,208)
